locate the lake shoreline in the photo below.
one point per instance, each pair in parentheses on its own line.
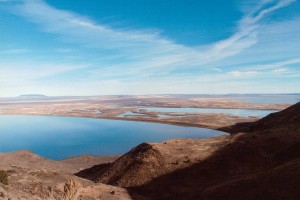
(175,123)
(63,137)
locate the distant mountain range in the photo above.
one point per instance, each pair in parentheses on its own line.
(32,96)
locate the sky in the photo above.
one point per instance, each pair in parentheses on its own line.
(104,47)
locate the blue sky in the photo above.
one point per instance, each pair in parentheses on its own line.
(100,47)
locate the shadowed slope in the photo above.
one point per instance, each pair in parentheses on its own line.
(263,164)
(285,119)
(148,161)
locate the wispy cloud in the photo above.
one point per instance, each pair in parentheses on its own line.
(129,58)
(216,69)
(275,65)
(246,34)
(142,47)
(243,74)
(14,51)
(257,14)
(28,72)
(280,70)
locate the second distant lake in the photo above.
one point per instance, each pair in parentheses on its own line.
(234,112)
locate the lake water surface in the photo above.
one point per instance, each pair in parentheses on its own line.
(271,99)
(234,112)
(62,137)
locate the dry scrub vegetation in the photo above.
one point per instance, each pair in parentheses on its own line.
(3,177)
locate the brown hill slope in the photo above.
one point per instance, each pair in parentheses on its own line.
(148,161)
(33,177)
(285,119)
(261,164)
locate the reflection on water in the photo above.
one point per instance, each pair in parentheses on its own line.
(161,116)
(98,111)
(132,114)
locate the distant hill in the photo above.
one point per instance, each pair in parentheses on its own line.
(32,96)
(261,164)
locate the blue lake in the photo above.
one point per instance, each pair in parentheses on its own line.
(234,112)
(62,137)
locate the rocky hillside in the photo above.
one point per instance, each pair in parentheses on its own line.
(24,175)
(263,163)
(286,119)
(148,161)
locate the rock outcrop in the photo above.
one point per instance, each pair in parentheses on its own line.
(33,177)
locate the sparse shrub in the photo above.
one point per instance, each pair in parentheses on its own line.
(3,177)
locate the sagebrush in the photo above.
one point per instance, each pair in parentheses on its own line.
(3,177)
